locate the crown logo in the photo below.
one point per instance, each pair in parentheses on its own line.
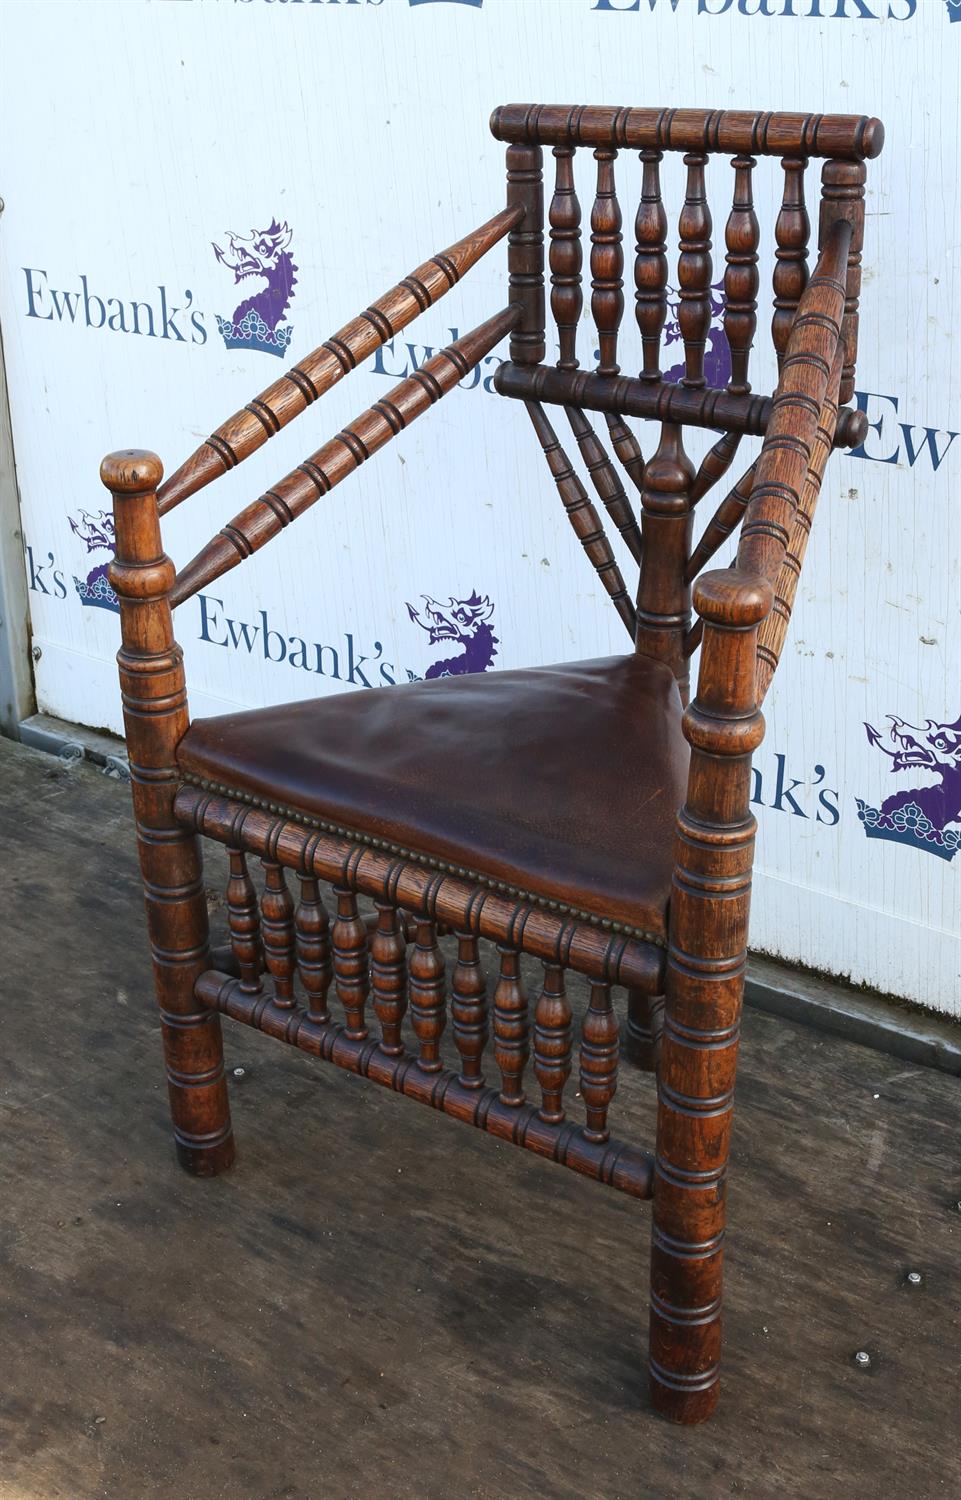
(252,333)
(908,825)
(97,534)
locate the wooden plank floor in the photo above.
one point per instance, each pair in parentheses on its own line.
(378,1301)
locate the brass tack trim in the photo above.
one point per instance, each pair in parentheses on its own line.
(589,919)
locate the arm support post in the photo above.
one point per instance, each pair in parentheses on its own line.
(705,980)
(155,718)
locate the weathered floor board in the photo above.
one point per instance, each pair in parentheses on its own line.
(310,1326)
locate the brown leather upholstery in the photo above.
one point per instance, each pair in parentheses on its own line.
(560,781)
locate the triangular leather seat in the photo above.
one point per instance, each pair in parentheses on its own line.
(561,782)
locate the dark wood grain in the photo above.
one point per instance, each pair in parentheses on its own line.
(154,696)
(731,131)
(683,1006)
(705,980)
(567,299)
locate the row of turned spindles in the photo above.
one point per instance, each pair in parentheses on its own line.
(409,979)
(695,267)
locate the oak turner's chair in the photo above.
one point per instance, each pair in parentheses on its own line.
(579,813)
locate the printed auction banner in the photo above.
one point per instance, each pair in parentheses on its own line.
(198,192)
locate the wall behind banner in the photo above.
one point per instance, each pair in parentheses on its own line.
(157,153)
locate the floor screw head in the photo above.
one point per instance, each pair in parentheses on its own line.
(239,1072)
(862,1359)
(914,1278)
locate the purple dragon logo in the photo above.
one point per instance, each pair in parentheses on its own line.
(920,815)
(257,321)
(465,622)
(717,355)
(96,532)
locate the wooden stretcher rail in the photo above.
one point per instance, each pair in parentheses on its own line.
(444,893)
(248,429)
(629,397)
(732,131)
(611,1162)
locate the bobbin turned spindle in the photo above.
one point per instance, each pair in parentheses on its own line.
(388,973)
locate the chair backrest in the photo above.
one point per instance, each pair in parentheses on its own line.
(814,331)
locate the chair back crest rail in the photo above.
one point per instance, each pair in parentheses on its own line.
(309,970)
(802,410)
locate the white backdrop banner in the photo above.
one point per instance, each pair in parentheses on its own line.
(198,191)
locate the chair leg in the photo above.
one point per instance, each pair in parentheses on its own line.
(155,718)
(705,982)
(193,1045)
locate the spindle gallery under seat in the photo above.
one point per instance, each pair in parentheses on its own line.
(440,800)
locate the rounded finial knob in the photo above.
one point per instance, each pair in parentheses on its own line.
(727,597)
(131,471)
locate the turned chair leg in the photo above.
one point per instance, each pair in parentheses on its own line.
(155,718)
(705,982)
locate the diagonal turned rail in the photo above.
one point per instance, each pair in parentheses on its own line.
(318,475)
(248,429)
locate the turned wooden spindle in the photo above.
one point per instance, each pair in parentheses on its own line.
(774,629)
(351,965)
(792,232)
(552,1043)
(742,236)
(607,263)
(312,945)
(511,1027)
(842,197)
(291,496)
(428,997)
(782,467)
(650,265)
(525,252)
(664,598)
(468,1008)
(725,520)
(277,927)
(243,921)
(639,1032)
(155,719)
(388,975)
(705,980)
(628,450)
(695,271)
(583,517)
(605,481)
(714,465)
(567,299)
(315,373)
(598,1061)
